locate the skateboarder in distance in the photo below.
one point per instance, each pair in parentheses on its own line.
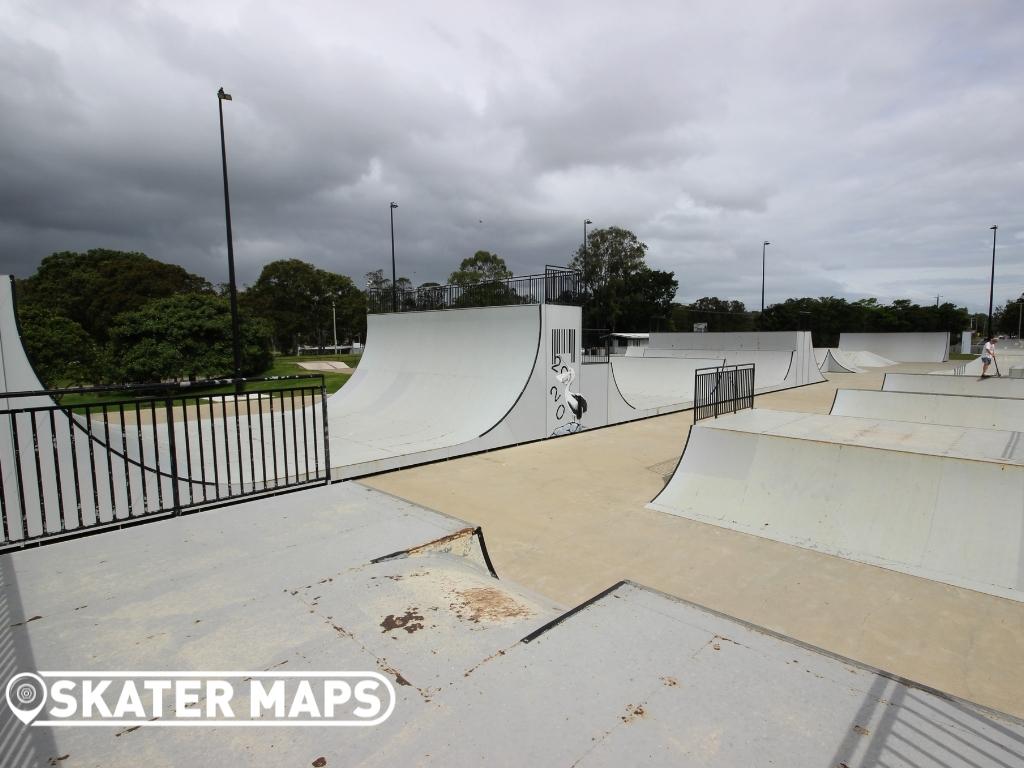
(988,354)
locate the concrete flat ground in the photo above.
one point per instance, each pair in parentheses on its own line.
(567,519)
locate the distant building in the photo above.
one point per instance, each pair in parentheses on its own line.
(620,342)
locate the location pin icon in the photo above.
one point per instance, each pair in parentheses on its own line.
(26,695)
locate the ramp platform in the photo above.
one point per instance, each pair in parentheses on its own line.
(1002,413)
(968,386)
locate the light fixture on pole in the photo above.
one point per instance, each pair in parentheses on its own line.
(233,292)
(394,283)
(764,245)
(585,265)
(992,281)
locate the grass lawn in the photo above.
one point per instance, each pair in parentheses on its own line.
(289,366)
(282,366)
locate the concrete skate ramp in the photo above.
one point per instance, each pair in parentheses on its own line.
(16,372)
(955,410)
(782,359)
(865,359)
(66,478)
(954,385)
(836,361)
(431,380)
(1005,360)
(901,347)
(652,382)
(914,512)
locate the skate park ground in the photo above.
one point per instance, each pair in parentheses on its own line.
(567,518)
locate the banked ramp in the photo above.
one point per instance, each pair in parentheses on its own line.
(836,361)
(939,502)
(1000,413)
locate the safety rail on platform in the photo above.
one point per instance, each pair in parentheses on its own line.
(151,451)
(722,389)
(558,285)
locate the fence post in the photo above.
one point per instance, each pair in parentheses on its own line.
(327,436)
(718,388)
(172,443)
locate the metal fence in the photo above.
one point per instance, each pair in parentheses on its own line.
(596,345)
(722,389)
(558,285)
(67,470)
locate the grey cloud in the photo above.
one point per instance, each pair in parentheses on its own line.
(873,144)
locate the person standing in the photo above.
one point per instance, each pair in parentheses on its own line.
(988,354)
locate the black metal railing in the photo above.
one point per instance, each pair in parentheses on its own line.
(722,389)
(596,345)
(69,469)
(558,285)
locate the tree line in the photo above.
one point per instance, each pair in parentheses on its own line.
(107,316)
(117,317)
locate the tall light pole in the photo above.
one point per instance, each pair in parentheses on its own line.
(764,245)
(394,284)
(334,318)
(585,265)
(233,292)
(992,282)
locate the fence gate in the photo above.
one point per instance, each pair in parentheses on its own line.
(723,389)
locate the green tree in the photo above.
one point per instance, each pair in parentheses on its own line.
(296,299)
(644,301)
(60,350)
(92,288)
(621,291)
(481,267)
(1006,318)
(828,316)
(718,314)
(185,336)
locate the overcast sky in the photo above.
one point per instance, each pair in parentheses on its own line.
(873,143)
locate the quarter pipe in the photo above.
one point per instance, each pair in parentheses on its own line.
(901,347)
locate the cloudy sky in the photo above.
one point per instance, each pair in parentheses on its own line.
(873,143)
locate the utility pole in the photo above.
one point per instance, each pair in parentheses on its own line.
(992,282)
(764,245)
(334,318)
(394,280)
(236,346)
